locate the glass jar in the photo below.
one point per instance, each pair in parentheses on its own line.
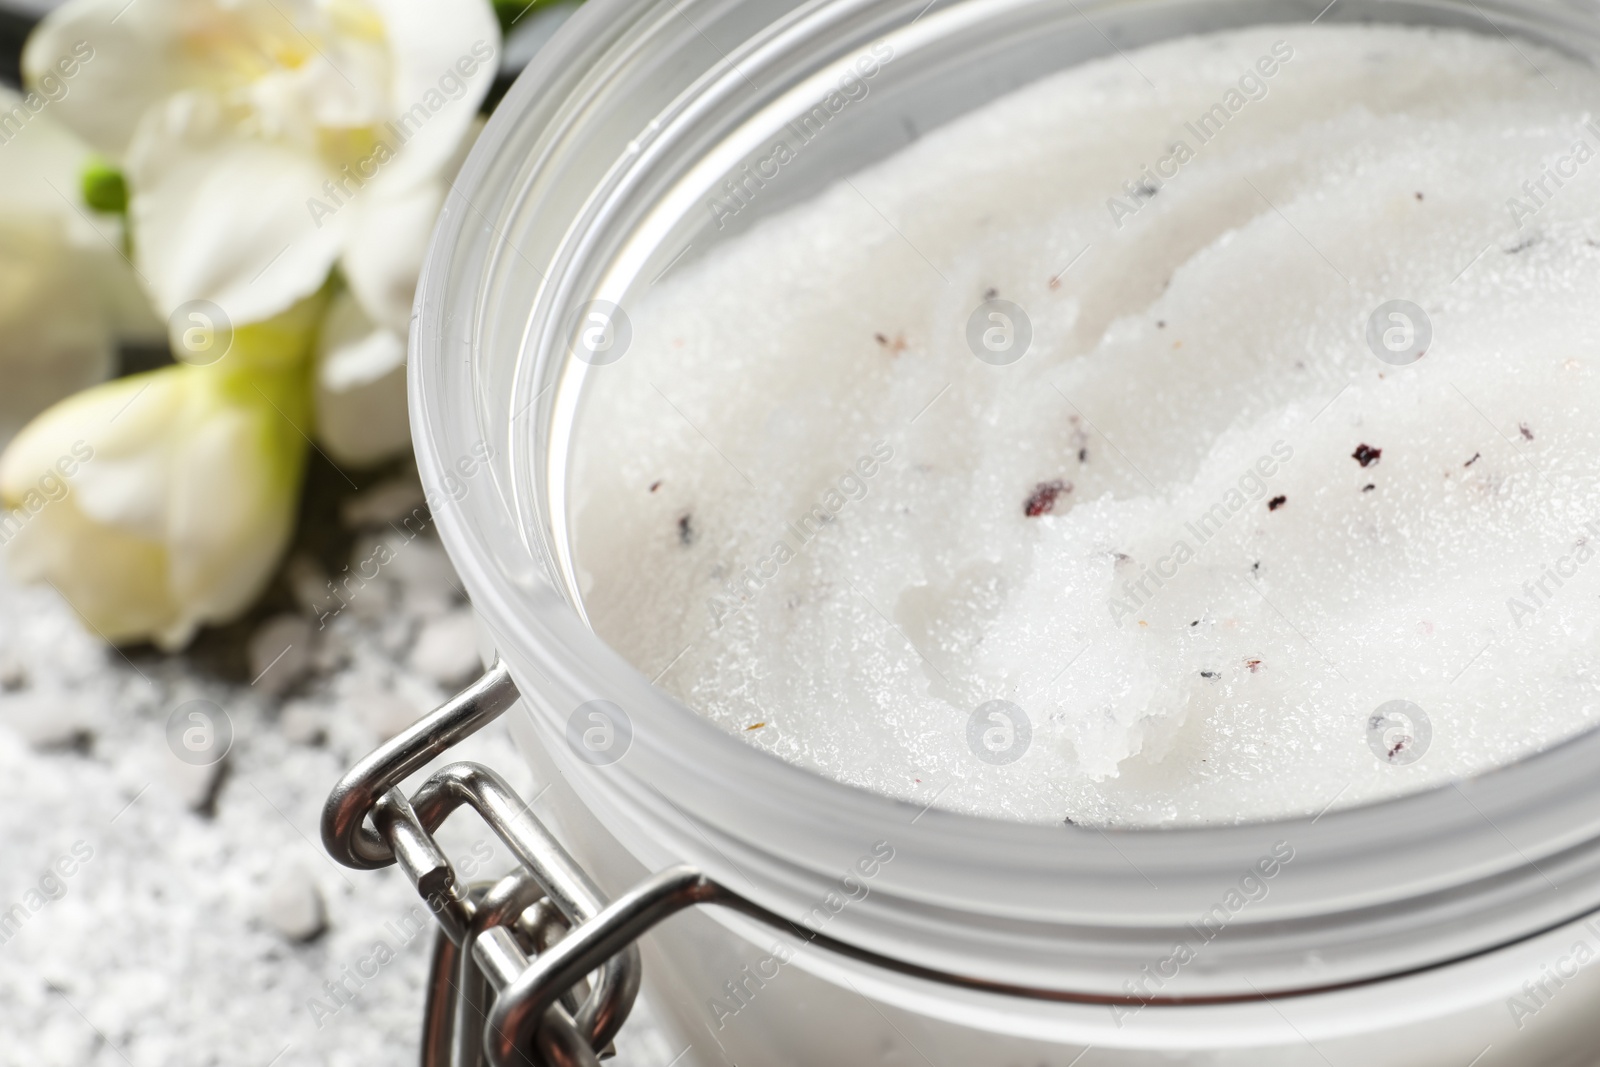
(1445,928)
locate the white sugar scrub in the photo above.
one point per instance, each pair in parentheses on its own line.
(1200,533)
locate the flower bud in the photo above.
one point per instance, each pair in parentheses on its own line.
(161,502)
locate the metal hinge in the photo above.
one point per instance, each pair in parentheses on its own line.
(489,936)
(537,967)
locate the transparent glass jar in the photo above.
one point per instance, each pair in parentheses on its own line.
(1406,932)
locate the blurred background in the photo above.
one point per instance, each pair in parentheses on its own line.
(221,582)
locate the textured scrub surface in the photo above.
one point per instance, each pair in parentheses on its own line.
(1228,506)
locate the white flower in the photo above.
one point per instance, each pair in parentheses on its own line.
(66,291)
(162,501)
(265,141)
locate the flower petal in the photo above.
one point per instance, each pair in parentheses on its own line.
(54,337)
(389,234)
(444,59)
(361,387)
(44,163)
(123,58)
(224,217)
(116,582)
(107,423)
(229,515)
(89,452)
(59,267)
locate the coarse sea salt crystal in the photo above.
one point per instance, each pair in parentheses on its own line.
(803,496)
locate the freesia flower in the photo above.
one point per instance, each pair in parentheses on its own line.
(162,501)
(66,292)
(264,141)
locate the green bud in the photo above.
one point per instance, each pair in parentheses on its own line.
(104,188)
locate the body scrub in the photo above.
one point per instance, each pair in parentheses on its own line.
(1205,434)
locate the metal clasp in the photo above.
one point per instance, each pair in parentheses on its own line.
(492,933)
(557,956)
